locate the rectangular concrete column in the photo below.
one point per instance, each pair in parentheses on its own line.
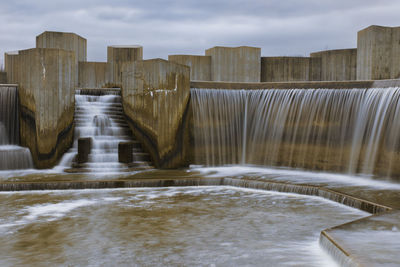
(200,66)
(378,53)
(235,64)
(155,97)
(337,65)
(46,79)
(117,55)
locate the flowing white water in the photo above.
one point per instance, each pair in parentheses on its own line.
(341,130)
(101,118)
(12,156)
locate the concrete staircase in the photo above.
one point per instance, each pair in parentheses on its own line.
(99,120)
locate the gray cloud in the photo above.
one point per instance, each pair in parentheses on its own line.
(279,27)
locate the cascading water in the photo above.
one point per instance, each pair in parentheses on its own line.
(100,117)
(12,156)
(342,130)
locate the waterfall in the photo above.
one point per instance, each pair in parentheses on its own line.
(342,130)
(12,156)
(99,115)
(9,123)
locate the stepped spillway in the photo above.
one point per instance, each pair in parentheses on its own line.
(99,116)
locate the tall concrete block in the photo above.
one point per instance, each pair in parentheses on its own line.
(285,69)
(235,64)
(46,79)
(64,40)
(94,74)
(155,97)
(117,55)
(337,65)
(378,53)
(200,66)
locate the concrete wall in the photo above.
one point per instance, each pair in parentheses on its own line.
(3,77)
(200,66)
(117,56)
(287,69)
(337,65)
(46,79)
(235,64)
(378,53)
(94,74)
(9,65)
(155,96)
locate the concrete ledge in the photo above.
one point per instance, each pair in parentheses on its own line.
(297,85)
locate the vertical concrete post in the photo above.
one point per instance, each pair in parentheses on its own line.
(84,147)
(117,55)
(235,64)
(125,152)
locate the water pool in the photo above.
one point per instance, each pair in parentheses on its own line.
(174,226)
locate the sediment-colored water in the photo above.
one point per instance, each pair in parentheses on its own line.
(200,226)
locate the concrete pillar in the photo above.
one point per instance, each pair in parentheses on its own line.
(235,64)
(125,152)
(46,79)
(200,66)
(117,55)
(84,148)
(378,53)
(64,40)
(337,65)
(94,75)
(155,97)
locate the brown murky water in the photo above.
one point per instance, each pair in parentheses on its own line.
(186,226)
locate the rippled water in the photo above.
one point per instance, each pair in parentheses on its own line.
(201,226)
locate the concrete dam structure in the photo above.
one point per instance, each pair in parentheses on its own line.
(307,134)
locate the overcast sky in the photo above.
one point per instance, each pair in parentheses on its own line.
(279,27)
